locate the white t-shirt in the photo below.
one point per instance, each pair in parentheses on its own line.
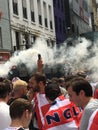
(88,110)
(5,119)
(12,128)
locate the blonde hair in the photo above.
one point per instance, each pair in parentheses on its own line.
(19,83)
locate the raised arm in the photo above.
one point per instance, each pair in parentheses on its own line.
(40,64)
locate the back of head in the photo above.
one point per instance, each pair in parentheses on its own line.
(79,84)
(52,91)
(19,84)
(61,80)
(5,88)
(18,107)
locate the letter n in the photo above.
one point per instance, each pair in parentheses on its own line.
(50,118)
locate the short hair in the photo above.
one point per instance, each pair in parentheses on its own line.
(61,80)
(19,84)
(7,81)
(52,90)
(79,84)
(68,78)
(39,77)
(18,106)
(5,88)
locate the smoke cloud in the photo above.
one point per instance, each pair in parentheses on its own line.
(74,58)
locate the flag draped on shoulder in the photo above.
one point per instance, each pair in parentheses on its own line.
(62,114)
(41,106)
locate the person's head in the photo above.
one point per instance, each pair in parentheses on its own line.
(37,82)
(5,90)
(19,88)
(67,79)
(61,82)
(80,91)
(21,111)
(7,81)
(52,91)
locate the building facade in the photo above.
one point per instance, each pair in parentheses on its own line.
(60,24)
(5,32)
(94,10)
(79,15)
(31,19)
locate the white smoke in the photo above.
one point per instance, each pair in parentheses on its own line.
(74,58)
(93,62)
(28,57)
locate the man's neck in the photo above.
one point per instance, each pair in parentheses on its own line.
(86,101)
(16,123)
(42,90)
(3,100)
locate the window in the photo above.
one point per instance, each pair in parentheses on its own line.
(85,5)
(45,14)
(40,19)
(32,10)
(17,40)
(15,7)
(39,12)
(46,24)
(26,41)
(51,26)
(50,17)
(24,9)
(33,38)
(32,16)
(24,12)
(0,38)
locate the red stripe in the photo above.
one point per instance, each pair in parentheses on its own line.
(44,109)
(63,120)
(94,125)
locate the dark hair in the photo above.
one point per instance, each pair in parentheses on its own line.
(5,88)
(52,91)
(39,77)
(61,80)
(7,81)
(79,84)
(68,78)
(18,107)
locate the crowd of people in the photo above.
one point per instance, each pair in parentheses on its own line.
(66,103)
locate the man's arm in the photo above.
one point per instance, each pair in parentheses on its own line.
(40,64)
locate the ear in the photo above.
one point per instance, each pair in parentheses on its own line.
(40,83)
(82,93)
(26,113)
